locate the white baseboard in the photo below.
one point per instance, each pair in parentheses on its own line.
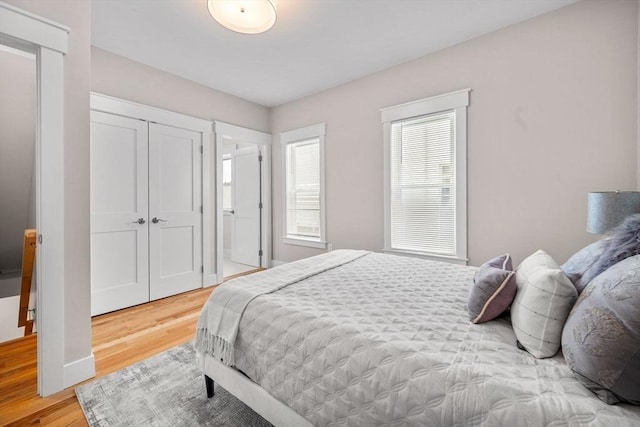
(277,262)
(212,281)
(79,370)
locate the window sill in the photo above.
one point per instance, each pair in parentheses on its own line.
(431,257)
(303,242)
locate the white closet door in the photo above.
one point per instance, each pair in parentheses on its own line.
(175,198)
(246,198)
(119,207)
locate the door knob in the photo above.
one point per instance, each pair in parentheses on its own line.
(139,221)
(156,220)
(232,211)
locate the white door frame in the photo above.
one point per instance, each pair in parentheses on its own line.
(48,41)
(229,133)
(109,104)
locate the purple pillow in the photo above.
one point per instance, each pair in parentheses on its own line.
(623,243)
(581,261)
(493,290)
(601,338)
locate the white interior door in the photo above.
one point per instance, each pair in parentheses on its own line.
(246,198)
(175,203)
(119,207)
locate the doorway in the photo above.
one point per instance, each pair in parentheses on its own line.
(24,31)
(241,201)
(17,181)
(243,189)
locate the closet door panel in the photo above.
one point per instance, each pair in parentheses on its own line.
(175,198)
(119,197)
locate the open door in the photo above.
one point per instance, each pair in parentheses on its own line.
(247,205)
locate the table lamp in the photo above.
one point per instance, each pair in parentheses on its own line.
(606,209)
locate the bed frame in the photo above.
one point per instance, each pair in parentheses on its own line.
(247,391)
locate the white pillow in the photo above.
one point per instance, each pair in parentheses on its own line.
(544,298)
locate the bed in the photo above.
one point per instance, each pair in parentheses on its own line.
(363,339)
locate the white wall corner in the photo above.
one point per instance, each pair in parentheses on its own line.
(79,370)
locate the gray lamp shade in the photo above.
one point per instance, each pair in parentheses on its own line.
(606,209)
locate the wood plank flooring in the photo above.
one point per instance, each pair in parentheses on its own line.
(119,339)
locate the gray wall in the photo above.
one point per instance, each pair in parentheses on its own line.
(553,115)
(124,78)
(17,156)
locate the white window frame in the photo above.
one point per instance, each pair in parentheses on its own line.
(289,137)
(457,101)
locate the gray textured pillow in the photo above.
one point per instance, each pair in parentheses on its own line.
(544,298)
(601,339)
(624,242)
(580,262)
(493,289)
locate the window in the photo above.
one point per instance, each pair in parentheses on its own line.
(304,214)
(425,177)
(227,192)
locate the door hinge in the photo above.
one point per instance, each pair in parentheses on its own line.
(201,149)
(260,157)
(260,252)
(260,205)
(202,269)
(201,209)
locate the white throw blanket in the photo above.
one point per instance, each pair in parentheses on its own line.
(218,323)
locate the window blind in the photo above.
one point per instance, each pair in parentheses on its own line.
(423,184)
(303,189)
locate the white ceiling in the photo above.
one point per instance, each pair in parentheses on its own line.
(314,45)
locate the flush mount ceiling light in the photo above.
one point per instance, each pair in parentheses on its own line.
(244,16)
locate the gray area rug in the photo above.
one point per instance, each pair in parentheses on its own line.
(165,390)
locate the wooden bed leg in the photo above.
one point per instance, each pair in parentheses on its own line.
(209,383)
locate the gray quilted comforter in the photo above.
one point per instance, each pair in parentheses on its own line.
(386,340)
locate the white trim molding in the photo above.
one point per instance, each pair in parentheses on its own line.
(425,106)
(122,107)
(231,132)
(48,41)
(33,29)
(458,102)
(290,137)
(79,370)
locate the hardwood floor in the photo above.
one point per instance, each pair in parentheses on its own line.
(119,339)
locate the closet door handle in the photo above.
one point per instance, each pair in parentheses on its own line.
(156,220)
(139,221)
